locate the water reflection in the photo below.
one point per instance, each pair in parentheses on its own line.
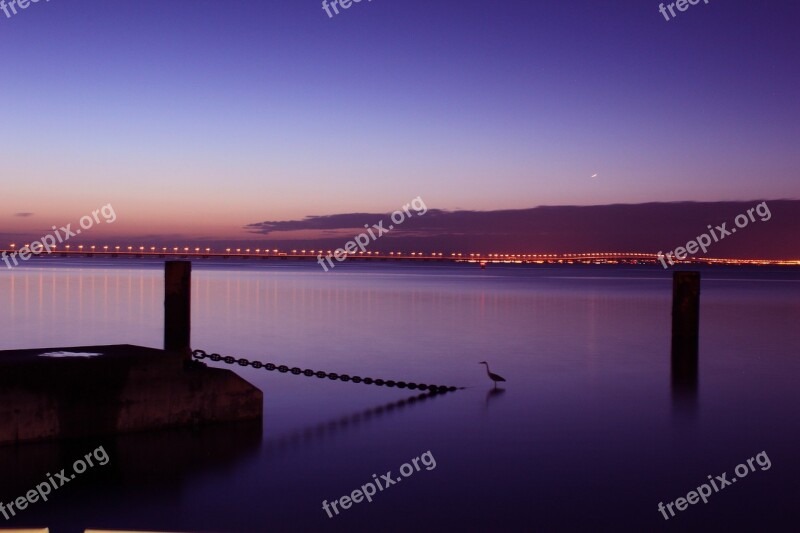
(579,344)
(684,379)
(493,393)
(162,459)
(327,429)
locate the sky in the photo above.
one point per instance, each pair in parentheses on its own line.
(197,119)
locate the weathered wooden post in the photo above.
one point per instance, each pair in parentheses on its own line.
(685,329)
(177,307)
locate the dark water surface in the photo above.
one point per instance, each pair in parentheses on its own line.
(586,435)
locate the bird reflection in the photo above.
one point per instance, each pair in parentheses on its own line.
(331,427)
(493,393)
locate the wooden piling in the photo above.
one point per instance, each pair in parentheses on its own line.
(177,307)
(685,327)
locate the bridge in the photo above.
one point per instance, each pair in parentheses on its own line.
(172,253)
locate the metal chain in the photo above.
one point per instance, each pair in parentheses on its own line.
(200,354)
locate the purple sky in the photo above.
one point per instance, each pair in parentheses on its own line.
(197,118)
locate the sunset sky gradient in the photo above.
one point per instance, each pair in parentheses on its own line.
(197,118)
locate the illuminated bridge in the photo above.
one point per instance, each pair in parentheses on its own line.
(185,252)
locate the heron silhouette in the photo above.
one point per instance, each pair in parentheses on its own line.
(494,377)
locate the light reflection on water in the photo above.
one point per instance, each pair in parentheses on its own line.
(586,433)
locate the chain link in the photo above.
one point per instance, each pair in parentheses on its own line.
(283,369)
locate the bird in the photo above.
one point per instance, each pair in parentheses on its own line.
(594,175)
(494,377)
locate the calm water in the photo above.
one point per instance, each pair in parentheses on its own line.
(587,433)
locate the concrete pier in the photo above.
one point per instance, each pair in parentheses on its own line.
(124,388)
